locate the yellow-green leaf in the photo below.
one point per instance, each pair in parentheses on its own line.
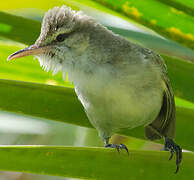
(94,163)
(164,19)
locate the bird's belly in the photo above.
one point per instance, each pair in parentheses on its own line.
(114,106)
(114,99)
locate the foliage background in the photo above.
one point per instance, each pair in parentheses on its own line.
(27,108)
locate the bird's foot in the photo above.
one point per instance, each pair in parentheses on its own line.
(171,146)
(118,147)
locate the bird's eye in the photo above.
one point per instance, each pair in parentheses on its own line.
(61,37)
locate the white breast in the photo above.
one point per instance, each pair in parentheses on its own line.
(115,99)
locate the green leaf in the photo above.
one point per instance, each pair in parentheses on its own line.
(94,163)
(18,28)
(61,104)
(50,102)
(158,16)
(181,75)
(183,103)
(186,6)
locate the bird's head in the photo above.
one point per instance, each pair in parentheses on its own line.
(64,35)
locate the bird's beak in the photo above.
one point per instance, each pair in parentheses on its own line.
(31,50)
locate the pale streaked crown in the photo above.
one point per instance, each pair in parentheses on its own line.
(60,20)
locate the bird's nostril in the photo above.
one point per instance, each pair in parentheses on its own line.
(33,46)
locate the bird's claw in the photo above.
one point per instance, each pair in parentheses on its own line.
(118,147)
(174,148)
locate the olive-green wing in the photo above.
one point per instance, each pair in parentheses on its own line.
(164,124)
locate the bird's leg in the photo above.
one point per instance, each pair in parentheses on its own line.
(171,146)
(117,147)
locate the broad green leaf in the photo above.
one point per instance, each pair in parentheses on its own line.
(94,163)
(19,29)
(181,76)
(159,17)
(20,4)
(186,6)
(183,103)
(61,104)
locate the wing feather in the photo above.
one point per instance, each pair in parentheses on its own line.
(164,124)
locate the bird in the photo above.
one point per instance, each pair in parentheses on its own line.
(119,83)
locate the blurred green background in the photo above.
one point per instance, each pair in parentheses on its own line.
(164,26)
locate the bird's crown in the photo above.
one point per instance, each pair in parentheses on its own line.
(60,20)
